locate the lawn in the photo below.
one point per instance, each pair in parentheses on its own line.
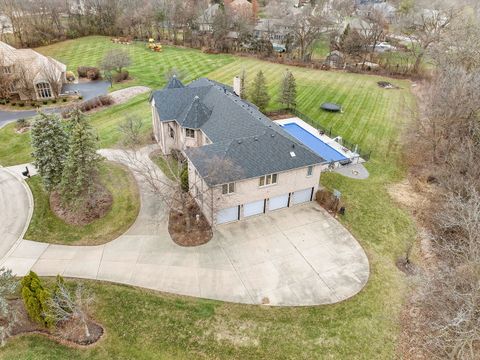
(46,227)
(142,324)
(15,148)
(148,68)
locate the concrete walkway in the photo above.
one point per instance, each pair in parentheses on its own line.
(296,256)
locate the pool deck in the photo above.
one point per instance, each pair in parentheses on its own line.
(324,138)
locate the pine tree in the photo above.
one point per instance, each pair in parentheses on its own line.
(81,165)
(288,92)
(259,94)
(50,146)
(36,299)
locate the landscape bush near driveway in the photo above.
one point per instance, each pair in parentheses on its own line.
(46,227)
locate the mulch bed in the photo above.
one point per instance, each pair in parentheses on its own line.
(97,205)
(200,231)
(386,85)
(68,333)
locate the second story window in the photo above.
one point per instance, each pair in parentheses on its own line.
(171,132)
(270,179)
(310,171)
(190,133)
(228,188)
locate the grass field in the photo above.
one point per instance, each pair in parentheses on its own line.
(141,324)
(148,68)
(46,227)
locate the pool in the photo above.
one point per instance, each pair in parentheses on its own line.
(314,143)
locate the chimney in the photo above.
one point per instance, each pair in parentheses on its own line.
(237,85)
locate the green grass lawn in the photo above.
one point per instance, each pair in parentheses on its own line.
(46,227)
(146,325)
(15,148)
(148,68)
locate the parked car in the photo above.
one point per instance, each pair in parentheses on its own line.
(384,47)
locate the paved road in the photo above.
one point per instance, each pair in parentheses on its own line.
(291,257)
(88,90)
(15,208)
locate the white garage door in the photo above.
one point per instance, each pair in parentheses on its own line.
(253,208)
(278,202)
(301,196)
(227,215)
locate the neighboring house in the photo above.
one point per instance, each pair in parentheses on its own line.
(5,25)
(275,30)
(35,76)
(388,11)
(239,8)
(240,163)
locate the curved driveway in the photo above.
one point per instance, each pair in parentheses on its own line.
(297,256)
(15,209)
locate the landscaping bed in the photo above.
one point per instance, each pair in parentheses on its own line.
(108,225)
(67,333)
(198,233)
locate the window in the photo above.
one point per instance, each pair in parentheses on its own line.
(43,90)
(171,132)
(270,179)
(310,171)
(228,188)
(6,69)
(190,133)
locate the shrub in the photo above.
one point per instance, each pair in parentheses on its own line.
(88,72)
(184,179)
(14,104)
(70,76)
(21,104)
(21,123)
(80,97)
(96,102)
(36,299)
(54,101)
(45,102)
(118,77)
(93,73)
(64,99)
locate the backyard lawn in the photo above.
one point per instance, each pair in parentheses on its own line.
(46,227)
(142,324)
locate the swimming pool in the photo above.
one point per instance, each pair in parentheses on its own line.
(314,143)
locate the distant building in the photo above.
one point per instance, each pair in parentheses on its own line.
(274,30)
(336,60)
(35,76)
(5,25)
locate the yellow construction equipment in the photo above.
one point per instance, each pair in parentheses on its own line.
(152,45)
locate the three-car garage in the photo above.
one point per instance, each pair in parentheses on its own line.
(258,207)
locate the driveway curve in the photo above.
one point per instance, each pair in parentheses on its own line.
(293,257)
(16,207)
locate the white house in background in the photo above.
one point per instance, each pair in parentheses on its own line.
(240,163)
(42,75)
(5,25)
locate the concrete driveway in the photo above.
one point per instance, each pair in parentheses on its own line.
(297,256)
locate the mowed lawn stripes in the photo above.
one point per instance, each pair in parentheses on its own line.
(371,117)
(147,68)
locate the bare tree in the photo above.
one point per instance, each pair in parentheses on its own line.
(71,307)
(131,129)
(116,59)
(425,24)
(307,25)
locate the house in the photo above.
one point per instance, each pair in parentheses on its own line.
(34,76)
(240,163)
(275,30)
(5,25)
(240,9)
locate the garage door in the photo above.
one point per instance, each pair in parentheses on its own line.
(278,202)
(227,215)
(301,196)
(253,208)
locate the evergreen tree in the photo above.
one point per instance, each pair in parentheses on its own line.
(50,146)
(288,91)
(81,165)
(259,94)
(36,299)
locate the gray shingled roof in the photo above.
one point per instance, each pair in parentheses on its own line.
(250,157)
(174,83)
(231,123)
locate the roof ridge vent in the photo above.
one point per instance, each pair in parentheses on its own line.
(273,135)
(239,141)
(255,138)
